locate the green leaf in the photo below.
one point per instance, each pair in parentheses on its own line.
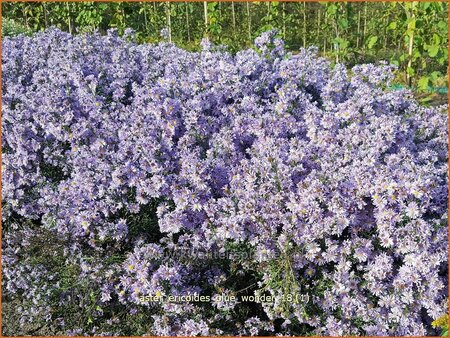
(212,6)
(392,25)
(92,296)
(419,23)
(372,41)
(416,55)
(425,5)
(436,39)
(425,99)
(341,42)
(435,75)
(433,50)
(423,82)
(332,9)
(442,25)
(343,23)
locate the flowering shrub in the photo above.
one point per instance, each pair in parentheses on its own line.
(138,171)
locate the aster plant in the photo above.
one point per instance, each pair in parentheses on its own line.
(133,170)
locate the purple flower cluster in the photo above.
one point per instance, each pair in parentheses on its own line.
(337,185)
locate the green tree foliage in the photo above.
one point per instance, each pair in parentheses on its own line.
(11,28)
(412,35)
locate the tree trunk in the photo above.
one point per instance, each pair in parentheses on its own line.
(410,50)
(386,31)
(249,22)
(187,22)
(205,13)
(24,12)
(123,17)
(325,34)
(168,20)
(410,46)
(358,31)
(365,27)
(68,18)
(336,45)
(318,24)
(145,17)
(45,15)
(304,24)
(234,17)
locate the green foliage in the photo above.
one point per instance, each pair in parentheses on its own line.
(372,41)
(12,28)
(411,35)
(442,324)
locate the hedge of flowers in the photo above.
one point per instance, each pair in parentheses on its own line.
(132,172)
